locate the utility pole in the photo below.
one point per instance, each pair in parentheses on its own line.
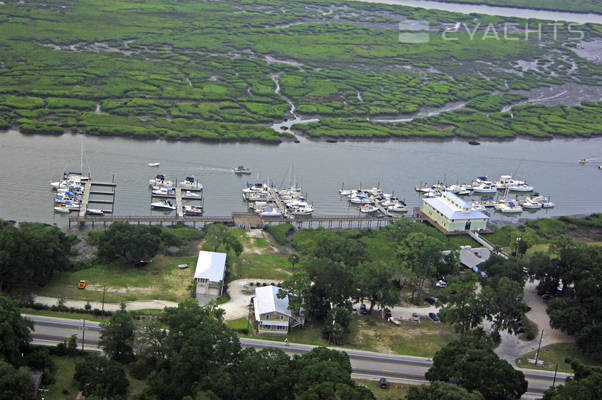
(83,333)
(104,290)
(538,348)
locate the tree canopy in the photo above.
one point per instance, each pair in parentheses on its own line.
(585,385)
(32,253)
(15,334)
(15,384)
(441,391)
(100,377)
(117,336)
(471,363)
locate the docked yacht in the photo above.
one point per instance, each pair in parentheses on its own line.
(400,207)
(530,204)
(190,183)
(163,205)
(485,188)
(160,181)
(520,187)
(94,211)
(510,207)
(307,210)
(193,210)
(270,212)
(367,209)
(61,210)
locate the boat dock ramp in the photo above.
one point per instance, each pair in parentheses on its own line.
(96,188)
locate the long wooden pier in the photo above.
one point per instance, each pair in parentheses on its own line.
(179,206)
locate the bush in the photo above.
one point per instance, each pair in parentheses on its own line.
(280,232)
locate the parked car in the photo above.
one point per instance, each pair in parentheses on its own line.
(182,266)
(142,263)
(363,309)
(433,316)
(82,284)
(441,284)
(416,317)
(394,321)
(383,383)
(430,300)
(547,296)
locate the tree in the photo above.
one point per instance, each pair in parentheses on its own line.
(441,391)
(198,349)
(585,385)
(32,253)
(337,324)
(294,260)
(15,334)
(298,290)
(100,377)
(131,243)
(375,283)
(333,284)
(117,336)
(14,384)
(464,307)
(420,255)
(471,363)
(506,312)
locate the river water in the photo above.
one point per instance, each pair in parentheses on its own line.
(29,163)
(501,11)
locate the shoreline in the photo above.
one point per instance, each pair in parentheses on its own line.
(294,138)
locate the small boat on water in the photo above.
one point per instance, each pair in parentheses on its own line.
(485,188)
(153,164)
(163,205)
(531,204)
(270,212)
(193,210)
(160,181)
(510,207)
(474,143)
(94,211)
(367,209)
(521,187)
(398,208)
(583,161)
(242,170)
(61,210)
(188,193)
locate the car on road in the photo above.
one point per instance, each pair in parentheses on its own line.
(441,284)
(416,317)
(363,310)
(82,284)
(383,383)
(430,300)
(433,316)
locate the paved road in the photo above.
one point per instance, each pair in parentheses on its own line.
(366,365)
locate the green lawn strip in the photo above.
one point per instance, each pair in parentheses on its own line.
(64,387)
(556,354)
(161,279)
(262,266)
(394,391)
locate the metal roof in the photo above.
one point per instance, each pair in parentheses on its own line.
(470,257)
(267,301)
(210,266)
(454,208)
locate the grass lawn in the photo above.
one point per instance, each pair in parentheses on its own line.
(66,388)
(261,266)
(161,279)
(372,334)
(395,390)
(555,354)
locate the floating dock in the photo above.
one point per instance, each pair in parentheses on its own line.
(89,189)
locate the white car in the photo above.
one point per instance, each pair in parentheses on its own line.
(441,284)
(183,266)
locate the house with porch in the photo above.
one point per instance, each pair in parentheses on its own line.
(209,275)
(272,316)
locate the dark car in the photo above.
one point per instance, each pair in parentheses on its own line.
(433,316)
(142,263)
(363,309)
(430,300)
(520,329)
(547,296)
(383,383)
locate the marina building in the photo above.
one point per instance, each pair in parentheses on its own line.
(209,276)
(450,213)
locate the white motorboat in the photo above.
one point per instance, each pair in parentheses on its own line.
(521,187)
(476,205)
(531,204)
(547,204)
(422,188)
(94,211)
(303,210)
(188,193)
(489,203)
(506,181)
(510,207)
(345,192)
(242,170)
(485,188)
(270,212)
(367,209)
(164,191)
(256,187)
(193,210)
(358,199)
(163,205)
(190,183)
(398,208)
(160,181)
(153,164)
(61,210)
(455,189)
